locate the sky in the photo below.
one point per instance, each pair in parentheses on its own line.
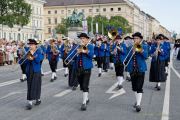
(167,12)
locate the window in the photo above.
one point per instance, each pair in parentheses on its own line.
(10,36)
(14,36)
(90,10)
(4,35)
(55,20)
(49,12)
(37,24)
(69,11)
(97,10)
(49,30)
(40,24)
(104,9)
(83,10)
(49,20)
(30,35)
(112,9)
(62,11)
(40,11)
(119,9)
(55,11)
(37,10)
(33,24)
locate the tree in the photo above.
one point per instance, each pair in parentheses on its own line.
(14,12)
(62,28)
(103,23)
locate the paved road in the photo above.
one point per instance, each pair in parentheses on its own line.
(60,103)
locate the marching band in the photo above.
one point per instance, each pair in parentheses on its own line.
(126,55)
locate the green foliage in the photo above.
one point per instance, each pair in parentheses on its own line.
(62,27)
(103,22)
(14,12)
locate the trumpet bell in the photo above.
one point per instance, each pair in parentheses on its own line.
(112,34)
(138,48)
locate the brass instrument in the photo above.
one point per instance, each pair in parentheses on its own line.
(67,46)
(79,48)
(54,50)
(112,34)
(137,48)
(30,56)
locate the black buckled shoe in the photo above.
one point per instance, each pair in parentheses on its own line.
(83,107)
(128,79)
(99,75)
(29,107)
(135,104)
(158,88)
(87,102)
(52,80)
(138,108)
(65,75)
(74,88)
(38,102)
(55,78)
(21,80)
(119,87)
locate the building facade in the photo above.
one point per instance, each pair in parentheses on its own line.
(35,28)
(55,11)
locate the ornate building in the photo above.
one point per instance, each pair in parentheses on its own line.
(55,10)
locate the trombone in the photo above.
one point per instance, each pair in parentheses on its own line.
(24,58)
(79,46)
(138,48)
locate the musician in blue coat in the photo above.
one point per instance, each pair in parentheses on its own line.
(99,53)
(53,58)
(137,67)
(106,57)
(21,52)
(159,53)
(84,66)
(72,80)
(167,43)
(33,73)
(43,51)
(65,48)
(119,52)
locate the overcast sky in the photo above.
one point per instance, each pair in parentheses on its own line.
(167,12)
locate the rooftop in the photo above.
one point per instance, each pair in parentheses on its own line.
(79,2)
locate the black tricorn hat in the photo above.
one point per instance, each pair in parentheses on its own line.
(127,37)
(83,35)
(32,41)
(137,34)
(118,37)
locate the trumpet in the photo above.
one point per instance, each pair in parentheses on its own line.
(112,34)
